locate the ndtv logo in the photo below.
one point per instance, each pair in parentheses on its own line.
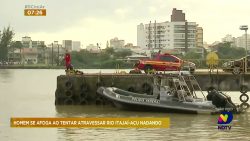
(224,119)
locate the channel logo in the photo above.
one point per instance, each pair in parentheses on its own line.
(224,119)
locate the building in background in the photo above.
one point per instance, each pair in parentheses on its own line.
(67,44)
(237,41)
(116,43)
(14,55)
(177,16)
(231,39)
(228,38)
(130,45)
(54,54)
(141,36)
(199,37)
(153,35)
(29,55)
(76,45)
(26,51)
(241,41)
(207,47)
(36,44)
(177,34)
(93,49)
(27,42)
(182,35)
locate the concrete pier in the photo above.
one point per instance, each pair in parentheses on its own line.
(81,89)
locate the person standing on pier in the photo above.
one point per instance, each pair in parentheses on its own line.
(67,59)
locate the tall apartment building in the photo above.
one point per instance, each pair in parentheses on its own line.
(153,35)
(141,36)
(199,37)
(241,41)
(177,34)
(183,35)
(67,44)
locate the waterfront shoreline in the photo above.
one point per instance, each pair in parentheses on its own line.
(50,67)
(32,67)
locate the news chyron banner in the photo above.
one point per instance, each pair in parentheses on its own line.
(137,122)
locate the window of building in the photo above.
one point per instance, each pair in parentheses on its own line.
(179,40)
(179,44)
(179,36)
(179,26)
(191,35)
(192,26)
(179,31)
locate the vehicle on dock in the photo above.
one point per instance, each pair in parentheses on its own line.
(172,93)
(236,66)
(165,62)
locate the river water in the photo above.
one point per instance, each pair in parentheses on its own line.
(30,93)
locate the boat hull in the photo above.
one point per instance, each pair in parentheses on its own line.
(151,104)
(136,107)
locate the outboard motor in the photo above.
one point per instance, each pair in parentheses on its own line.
(221,100)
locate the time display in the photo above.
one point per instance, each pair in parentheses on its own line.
(34,12)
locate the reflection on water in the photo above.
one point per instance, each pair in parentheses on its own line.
(183,126)
(30,93)
(5,75)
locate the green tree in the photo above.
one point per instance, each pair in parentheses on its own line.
(109,51)
(123,53)
(192,55)
(15,45)
(226,51)
(5,41)
(86,59)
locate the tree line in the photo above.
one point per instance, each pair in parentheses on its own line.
(107,58)
(224,50)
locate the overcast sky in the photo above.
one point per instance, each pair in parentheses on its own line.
(96,21)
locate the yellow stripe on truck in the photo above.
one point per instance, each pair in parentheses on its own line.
(162,63)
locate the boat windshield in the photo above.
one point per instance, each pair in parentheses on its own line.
(185,87)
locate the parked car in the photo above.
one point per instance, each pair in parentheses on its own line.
(165,62)
(236,66)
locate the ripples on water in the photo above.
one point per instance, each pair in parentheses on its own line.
(183,126)
(30,93)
